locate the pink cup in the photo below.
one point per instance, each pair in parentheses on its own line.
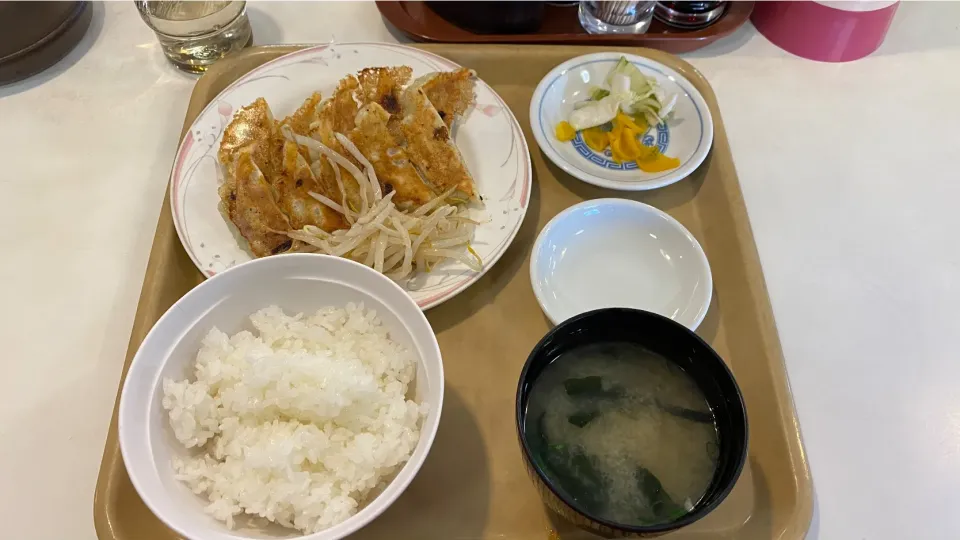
(825,31)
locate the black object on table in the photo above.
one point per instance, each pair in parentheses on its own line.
(492,17)
(689,15)
(36,35)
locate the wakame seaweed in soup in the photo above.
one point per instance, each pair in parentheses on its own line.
(623,433)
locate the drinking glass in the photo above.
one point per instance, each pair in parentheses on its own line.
(194,35)
(616,17)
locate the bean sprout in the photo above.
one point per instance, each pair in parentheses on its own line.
(380,235)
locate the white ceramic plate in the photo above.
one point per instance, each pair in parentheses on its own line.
(687,135)
(489,138)
(620,253)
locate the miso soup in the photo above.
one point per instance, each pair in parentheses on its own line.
(623,432)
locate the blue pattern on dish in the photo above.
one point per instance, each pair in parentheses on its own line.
(605,159)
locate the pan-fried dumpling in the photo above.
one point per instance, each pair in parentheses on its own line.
(293,188)
(450,92)
(253,131)
(430,148)
(390,162)
(250,204)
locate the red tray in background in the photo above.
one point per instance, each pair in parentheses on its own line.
(561,25)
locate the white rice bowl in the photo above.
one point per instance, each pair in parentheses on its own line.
(318,422)
(299,421)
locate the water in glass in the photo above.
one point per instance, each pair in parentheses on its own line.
(616,17)
(194,35)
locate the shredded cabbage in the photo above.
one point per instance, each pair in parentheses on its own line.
(626,89)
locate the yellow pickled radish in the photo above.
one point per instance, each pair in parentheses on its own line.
(659,163)
(623,140)
(629,123)
(595,138)
(565,132)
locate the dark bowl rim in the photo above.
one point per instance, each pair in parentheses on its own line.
(698,512)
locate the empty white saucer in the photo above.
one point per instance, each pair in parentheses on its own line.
(620,253)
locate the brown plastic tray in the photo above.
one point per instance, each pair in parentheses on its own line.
(561,26)
(473,484)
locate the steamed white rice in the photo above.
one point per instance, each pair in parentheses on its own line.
(298,422)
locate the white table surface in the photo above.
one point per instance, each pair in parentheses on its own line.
(848,173)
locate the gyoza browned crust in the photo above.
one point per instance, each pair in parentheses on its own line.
(378,85)
(249,202)
(267,182)
(383,85)
(338,111)
(338,115)
(450,92)
(327,179)
(430,148)
(308,113)
(253,131)
(399,131)
(394,170)
(293,187)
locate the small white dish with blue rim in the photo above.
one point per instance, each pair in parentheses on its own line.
(620,253)
(686,135)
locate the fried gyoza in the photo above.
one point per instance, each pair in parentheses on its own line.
(339,113)
(293,188)
(249,203)
(266,192)
(380,85)
(253,131)
(404,134)
(307,114)
(336,114)
(390,162)
(327,180)
(383,86)
(450,92)
(430,147)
